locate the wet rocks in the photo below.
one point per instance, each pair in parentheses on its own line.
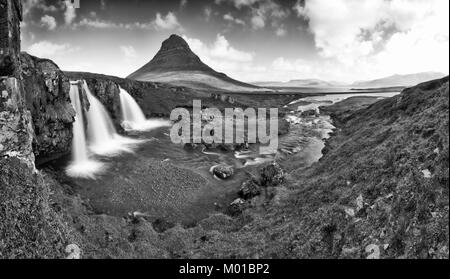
(272,175)
(249,189)
(223,171)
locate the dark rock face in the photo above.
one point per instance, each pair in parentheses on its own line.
(47,98)
(10,17)
(223,171)
(272,175)
(16,132)
(108,93)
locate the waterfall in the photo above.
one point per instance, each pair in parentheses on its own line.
(81,165)
(102,135)
(132,116)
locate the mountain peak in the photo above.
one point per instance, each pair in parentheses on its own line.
(176,63)
(174,42)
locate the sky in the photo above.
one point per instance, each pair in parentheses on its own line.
(249,40)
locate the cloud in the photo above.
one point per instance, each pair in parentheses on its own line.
(258,21)
(223,57)
(28,5)
(168,22)
(208,12)
(128,51)
(239,3)
(380,37)
(230,18)
(48,49)
(219,50)
(281,31)
(49,22)
(183,3)
(262,12)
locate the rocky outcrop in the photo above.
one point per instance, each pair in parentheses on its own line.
(16,132)
(223,171)
(47,98)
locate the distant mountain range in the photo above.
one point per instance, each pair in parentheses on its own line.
(399,80)
(300,83)
(177,64)
(391,81)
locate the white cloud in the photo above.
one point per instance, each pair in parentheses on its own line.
(128,51)
(168,22)
(371,38)
(46,49)
(258,21)
(208,12)
(183,3)
(281,31)
(223,57)
(230,18)
(49,22)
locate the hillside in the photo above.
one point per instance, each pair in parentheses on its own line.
(399,80)
(380,191)
(175,63)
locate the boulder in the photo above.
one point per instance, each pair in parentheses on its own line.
(223,171)
(249,189)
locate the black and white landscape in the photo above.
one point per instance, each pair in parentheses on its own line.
(88,163)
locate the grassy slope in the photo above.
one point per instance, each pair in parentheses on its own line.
(29,226)
(366,195)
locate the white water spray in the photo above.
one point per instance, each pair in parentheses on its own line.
(132,116)
(103,138)
(81,165)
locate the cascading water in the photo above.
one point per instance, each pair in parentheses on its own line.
(132,116)
(103,138)
(81,165)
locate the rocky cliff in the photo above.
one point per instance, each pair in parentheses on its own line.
(47,98)
(29,227)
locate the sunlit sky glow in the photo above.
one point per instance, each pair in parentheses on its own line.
(250,40)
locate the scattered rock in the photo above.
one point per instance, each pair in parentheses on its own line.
(373,250)
(223,171)
(236,207)
(73,251)
(426,173)
(249,189)
(272,175)
(359,202)
(350,211)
